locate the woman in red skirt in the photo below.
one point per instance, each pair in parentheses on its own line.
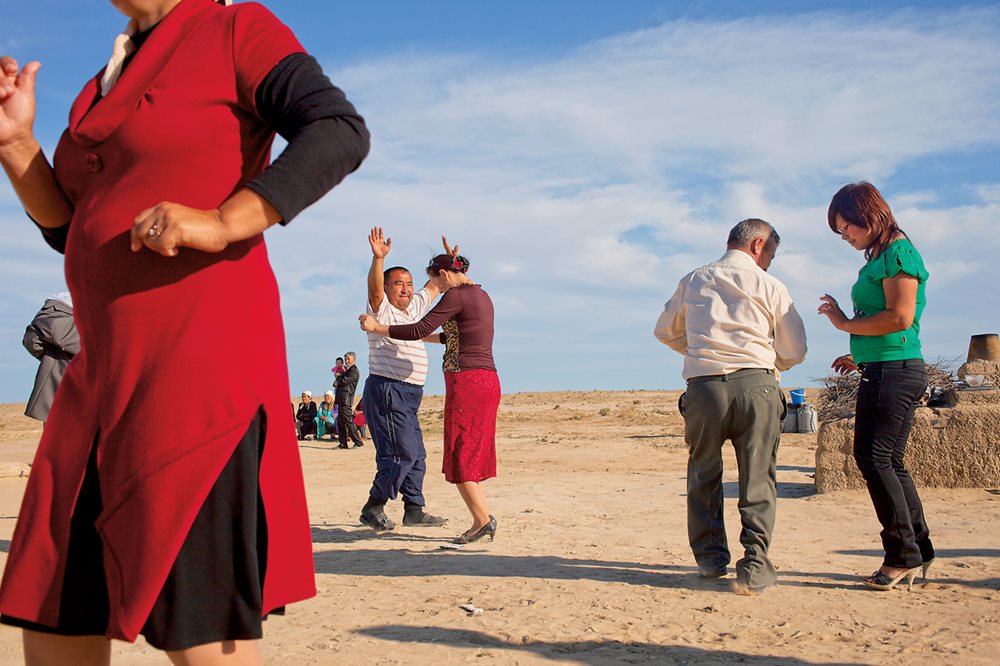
(472,388)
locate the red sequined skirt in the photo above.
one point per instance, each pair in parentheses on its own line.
(472,398)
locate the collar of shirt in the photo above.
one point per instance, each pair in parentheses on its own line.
(738,258)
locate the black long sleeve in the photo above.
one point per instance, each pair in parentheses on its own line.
(327,139)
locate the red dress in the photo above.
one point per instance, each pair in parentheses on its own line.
(163,338)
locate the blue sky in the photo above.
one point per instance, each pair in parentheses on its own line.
(586,155)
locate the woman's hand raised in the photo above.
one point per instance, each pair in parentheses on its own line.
(831,309)
(17,100)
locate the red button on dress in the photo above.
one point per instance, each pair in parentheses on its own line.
(94,162)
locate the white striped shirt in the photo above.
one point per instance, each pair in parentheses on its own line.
(403,360)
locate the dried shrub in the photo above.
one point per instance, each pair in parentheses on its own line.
(839,394)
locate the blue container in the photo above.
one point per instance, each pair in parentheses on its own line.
(798,396)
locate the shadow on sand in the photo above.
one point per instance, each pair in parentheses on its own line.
(588,652)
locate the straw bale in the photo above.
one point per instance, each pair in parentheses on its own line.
(950,447)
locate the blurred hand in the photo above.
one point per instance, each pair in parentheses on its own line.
(844,365)
(831,309)
(167,227)
(17,100)
(451,251)
(368,323)
(380,244)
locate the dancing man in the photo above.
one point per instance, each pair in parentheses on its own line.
(393,392)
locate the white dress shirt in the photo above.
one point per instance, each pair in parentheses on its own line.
(730,315)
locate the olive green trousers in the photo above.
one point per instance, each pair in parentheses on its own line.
(745,407)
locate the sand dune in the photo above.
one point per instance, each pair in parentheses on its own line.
(591,564)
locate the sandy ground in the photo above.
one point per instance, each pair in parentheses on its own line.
(591,564)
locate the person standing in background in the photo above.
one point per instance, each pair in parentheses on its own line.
(51,337)
(347,384)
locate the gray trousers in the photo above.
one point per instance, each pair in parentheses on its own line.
(745,407)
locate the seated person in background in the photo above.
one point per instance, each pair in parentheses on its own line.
(305,416)
(359,420)
(326,418)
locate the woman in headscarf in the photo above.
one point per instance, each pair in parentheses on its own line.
(191,531)
(326,417)
(305,416)
(472,387)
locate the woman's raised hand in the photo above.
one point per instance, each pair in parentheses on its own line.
(17,100)
(831,309)
(450,251)
(844,365)
(167,227)
(380,244)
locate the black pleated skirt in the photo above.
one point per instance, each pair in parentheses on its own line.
(214,591)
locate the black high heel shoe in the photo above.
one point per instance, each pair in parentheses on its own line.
(489,529)
(927,567)
(879,581)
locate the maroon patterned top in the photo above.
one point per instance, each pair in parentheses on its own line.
(466,315)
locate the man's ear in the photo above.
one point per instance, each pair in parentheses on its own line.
(757,246)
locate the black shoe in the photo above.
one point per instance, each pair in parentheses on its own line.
(342,446)
(415,516)
(379,522)
(489,529)
(358,444)
(374,517)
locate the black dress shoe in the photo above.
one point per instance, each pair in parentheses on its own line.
(342,446)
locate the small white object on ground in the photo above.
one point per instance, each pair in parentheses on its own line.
(452,546)
(470,609)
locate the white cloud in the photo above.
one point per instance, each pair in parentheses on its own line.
(583,187)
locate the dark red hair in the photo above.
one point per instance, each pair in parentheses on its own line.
(862,205)
(446,262)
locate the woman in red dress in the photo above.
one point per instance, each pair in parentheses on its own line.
(191,529)
(472,388)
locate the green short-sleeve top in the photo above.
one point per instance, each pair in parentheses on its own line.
(868,296)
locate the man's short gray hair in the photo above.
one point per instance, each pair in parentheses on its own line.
(351,355)
(747,230)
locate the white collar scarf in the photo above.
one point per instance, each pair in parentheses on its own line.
(123,48)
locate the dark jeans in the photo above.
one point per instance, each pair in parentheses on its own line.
(400,458)
(345,425)
(888,396)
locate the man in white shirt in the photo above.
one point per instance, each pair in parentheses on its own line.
(393,391)
(737,328)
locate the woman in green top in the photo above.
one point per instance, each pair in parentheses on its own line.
(888,300)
